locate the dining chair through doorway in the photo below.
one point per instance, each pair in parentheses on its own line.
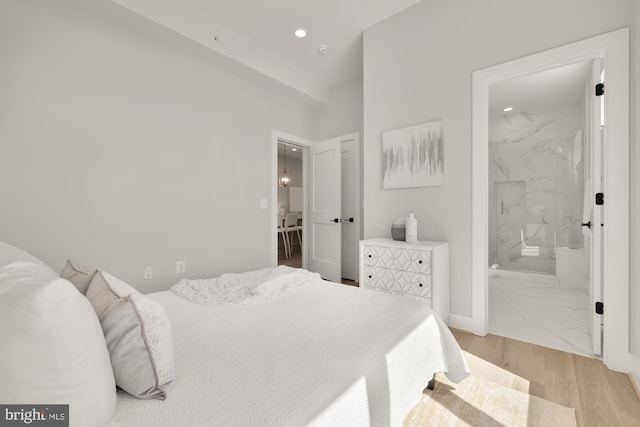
(285,239)
(291,225)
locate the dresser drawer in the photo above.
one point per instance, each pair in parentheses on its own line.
(426,300)
(408,282)
(414,260)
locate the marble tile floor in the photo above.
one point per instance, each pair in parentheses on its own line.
(549,316)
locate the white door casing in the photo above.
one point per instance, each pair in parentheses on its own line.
(595,231)
(613,47)
(276,138)
(325,209)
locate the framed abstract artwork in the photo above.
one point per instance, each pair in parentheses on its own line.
(413,156)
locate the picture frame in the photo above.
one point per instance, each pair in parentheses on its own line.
(413,156)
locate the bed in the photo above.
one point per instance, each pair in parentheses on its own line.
(303,352)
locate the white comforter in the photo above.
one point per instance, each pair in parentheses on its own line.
(323,354)
(252,287)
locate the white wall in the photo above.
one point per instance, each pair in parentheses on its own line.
(343,114)
(417,68)
(635,188)
(123,144)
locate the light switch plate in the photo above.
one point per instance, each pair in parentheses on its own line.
(181,267)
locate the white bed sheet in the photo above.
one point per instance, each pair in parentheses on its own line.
(330,355)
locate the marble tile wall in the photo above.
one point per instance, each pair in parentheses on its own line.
(536,186)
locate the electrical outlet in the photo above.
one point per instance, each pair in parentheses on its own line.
(264,203)
(148,272)
(180,267)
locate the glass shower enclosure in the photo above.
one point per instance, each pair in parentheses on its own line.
(536,188)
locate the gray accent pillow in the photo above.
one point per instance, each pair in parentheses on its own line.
(138,336)
(78,275)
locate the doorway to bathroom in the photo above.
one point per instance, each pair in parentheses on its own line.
(543,221)
(545,132)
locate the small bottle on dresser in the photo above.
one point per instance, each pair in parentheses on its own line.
(412,229)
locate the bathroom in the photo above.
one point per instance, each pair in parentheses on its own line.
(540,132)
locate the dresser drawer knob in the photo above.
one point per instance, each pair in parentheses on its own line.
(370,278)
(420,262)
(420,285)
(369,256)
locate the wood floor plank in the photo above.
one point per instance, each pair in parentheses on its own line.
(600,396)
(599,407)
(527,364)
(623,395)
(560,381)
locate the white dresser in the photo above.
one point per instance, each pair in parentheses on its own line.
(419,270)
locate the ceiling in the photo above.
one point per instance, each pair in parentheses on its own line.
(289,151)
(260,34)
(559,86)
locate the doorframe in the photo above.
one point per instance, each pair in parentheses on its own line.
(614,48)
(357,217)
(277,137)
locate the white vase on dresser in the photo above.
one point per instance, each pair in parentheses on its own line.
(419,270)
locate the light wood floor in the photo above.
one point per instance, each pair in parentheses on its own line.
(601,397)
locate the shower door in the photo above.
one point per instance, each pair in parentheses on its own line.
(509,220)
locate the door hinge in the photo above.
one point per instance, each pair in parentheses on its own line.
(599,198)
(600,89)
(599,308)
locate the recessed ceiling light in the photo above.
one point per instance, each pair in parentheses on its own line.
(300,33)
(294,149)
(508,109)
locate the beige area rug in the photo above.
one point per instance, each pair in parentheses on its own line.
(479,402)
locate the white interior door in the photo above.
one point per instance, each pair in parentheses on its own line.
(596,230)
(350,206)
(325,209)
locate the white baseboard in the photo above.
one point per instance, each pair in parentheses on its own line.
(463,323)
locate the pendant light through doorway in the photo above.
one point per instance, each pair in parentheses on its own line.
(285,178)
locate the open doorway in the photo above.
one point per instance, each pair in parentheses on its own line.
(542,168)
(290,204)
(345,168)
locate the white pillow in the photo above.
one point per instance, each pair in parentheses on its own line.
(138,335)
(78,275)
(10,254)
(54,350)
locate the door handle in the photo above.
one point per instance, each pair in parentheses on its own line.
(337,220)
(586,224)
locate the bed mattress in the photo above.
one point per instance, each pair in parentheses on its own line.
(327,354)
